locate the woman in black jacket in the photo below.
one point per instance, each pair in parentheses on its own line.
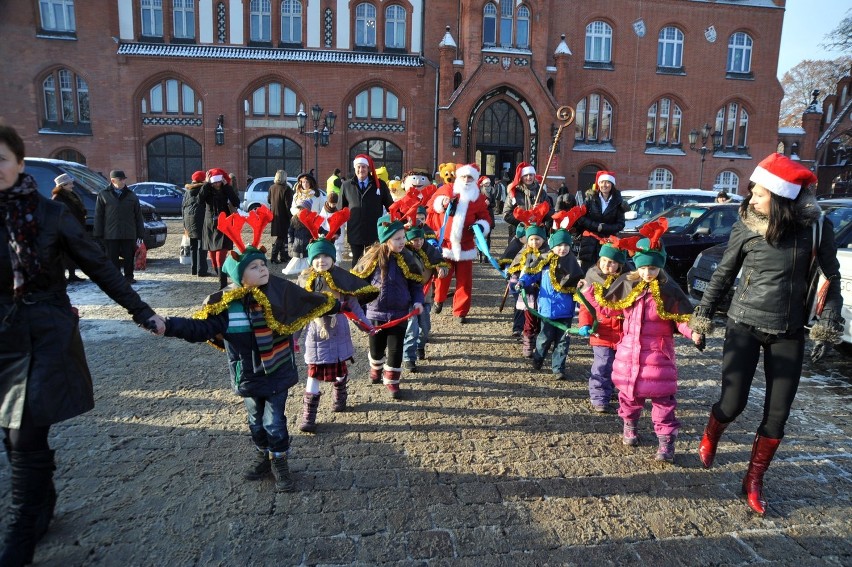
(64,193)
(218,196)
(604,217)
(193,223)
(776,244)
(44,378)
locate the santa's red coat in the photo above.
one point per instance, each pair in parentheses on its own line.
(458,241)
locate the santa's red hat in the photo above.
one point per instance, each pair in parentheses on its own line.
(364,159)
(470,169)
(603,175)
(523,168)
(782,175)
(217,175)
(482,180)
(198,176)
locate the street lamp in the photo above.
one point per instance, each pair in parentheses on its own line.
(321,135)
(705,135)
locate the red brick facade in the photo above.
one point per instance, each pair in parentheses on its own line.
(522,86)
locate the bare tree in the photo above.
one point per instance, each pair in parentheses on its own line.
(800,82)
(840,38)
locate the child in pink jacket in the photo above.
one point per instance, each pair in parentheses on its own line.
(654,308)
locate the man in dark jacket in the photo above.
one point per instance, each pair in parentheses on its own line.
(366,196)
(119,222)
(193,224)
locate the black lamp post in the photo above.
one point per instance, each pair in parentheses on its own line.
(705,135)
(220,130)
(456,133)
(321,135)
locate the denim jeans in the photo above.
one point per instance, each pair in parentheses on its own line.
(417,333)
(559,339)
(267,422)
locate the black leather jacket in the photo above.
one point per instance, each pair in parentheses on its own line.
(771,294)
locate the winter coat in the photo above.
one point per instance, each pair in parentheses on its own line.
(612,219)
(280,199)
(72,201)
(397,294)
(459,241)
(365,208)
(193,210)
(43,364)
(338,346)
(526,198)
(429,259)
(555,298)
(300,236)
(609,326)
(216,201)
(774,282)
(118,217)
(644,365)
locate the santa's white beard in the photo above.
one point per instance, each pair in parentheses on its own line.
(466,191)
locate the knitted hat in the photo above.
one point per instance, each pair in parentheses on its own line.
(310,177)
(646,255)
(561,236)
(321,246)
(414,232)
(535,230)
(520,230)
(613,253)
(363,159)
(232,226)
(63,179)
(198,177)
(324,231)
(604,176)
(782,175)
(387,227)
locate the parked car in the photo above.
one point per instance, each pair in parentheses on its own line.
(257,193)
(167,198)
(87,185)
(840,213)
(645,205)
(692,229)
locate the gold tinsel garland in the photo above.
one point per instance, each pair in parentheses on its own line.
(519,267)
(309,285)
(263,301)
(631,298)
(607,282)
(425,258)
(400,261)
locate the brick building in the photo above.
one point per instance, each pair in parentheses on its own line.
(162,88)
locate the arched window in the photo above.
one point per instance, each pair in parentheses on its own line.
(739,53)
(664,121)
(171,96)
(377,103)
(260,21)
(152,18)
(457,80)
(183,15)
(489,25)
(66,102)
(506,22)
(500,125)
(383,152)
(661,178)
(57,15)
(829,113)
(365,25)
(173,158)
(727,181)
(670,48)
(268,155)
(593,121)
(69,154)
(522,37)
(272,99)
(291,21)
(395,27)
(732,121)
(598,42)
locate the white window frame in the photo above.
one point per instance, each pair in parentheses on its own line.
(664,109)
(732,121)
(183,18)
(152,18)
(260,20)
(395,26)
(727,181)
(378,103)
(57,15)
(670,48)
(522,29)
(661,178)
(489,17)
(291,21)
(593,121)
(599,42)
(507,23)
(740,46)
(365,25)
(65,96)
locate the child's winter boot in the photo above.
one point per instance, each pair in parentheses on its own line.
(391,378)
(281,472)
(376,369)
(629,436)
(260,466)
(421,353)
(339,395)
(666,450)
(309,413)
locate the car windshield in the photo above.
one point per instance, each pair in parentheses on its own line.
(681,216)
(92,182)
(840,217)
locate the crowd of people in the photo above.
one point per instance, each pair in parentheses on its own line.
(404,256)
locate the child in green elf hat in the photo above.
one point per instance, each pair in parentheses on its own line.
(253,321)
(327,340)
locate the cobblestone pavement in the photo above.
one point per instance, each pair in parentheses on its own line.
(485,461)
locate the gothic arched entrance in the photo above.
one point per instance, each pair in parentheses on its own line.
(501,142)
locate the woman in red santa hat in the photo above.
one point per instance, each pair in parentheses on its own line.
(460,206)
(525,191)
(604,217)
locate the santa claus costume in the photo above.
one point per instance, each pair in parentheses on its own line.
(459,207)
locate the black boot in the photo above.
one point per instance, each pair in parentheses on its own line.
(281,472)
(33,502)
(223,279)
(259,467)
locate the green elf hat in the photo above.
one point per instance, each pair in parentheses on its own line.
(608,250)
(650,250)
(324,231)
(520,230)
(563,221)
(561,236)
(387,227)
(232,226)
(414,232)
(536,230)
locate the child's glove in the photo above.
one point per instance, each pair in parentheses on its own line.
(585,331)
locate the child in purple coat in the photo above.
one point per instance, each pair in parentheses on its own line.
(327,340)
(654,308)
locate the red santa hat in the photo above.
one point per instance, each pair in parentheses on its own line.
(218,175)
(522,169)
(603,175)
(470,169)
(782,175)
(364,159)
(198,176)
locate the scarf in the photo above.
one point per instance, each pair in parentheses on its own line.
(17,209)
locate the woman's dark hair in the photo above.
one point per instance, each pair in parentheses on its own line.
(11,138)
(782,214)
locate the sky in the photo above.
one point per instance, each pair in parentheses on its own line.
(806,22)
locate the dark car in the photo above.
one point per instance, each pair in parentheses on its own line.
(167,198)
(698,276)
(87,185)
(692,229)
